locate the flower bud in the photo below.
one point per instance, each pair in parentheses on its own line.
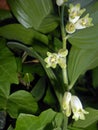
(60,2)
(62,57)
(70,28)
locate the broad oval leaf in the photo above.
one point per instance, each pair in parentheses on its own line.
(4,94)
(22,34)
(34,13)
(21,101)
(87,38)
(31,122)
(8,66)
(79,61)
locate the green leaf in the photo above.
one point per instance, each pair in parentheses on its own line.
(90,119)
(20,33)
(4,93)
(39,89)
(49,97)
(36,14)
(31,52)
(87,38)
(58,120)
(8,66)
(79,61)
(33,68)
(21,101)
(92,9)
(31,122)
(5,14)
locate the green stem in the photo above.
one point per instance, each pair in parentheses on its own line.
(64,71)
(65,122)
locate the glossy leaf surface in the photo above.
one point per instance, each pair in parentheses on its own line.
(34,13)
(26,121)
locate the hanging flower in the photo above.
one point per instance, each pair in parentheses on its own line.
(66,103)
(84,22)
(73,104)
(51,60)
(60,2)
(75,12)
(77,108)
(70,28)
(75,22)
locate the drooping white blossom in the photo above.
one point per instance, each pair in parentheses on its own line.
(75,12)
(84,22)
(75,21)
(77,109)
(72,104)
(66,104)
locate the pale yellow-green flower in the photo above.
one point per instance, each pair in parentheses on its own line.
(66,104)
(84,22)
(62,57)
(51,60)
(75,12)
(56,58)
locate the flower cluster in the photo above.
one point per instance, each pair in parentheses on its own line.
(75,22)
(73,104)
(56,58)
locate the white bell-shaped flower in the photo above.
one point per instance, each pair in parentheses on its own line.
(66,106)
(75,12)
(77,108)
(84,22)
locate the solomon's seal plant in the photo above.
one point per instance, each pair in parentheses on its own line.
(49,65)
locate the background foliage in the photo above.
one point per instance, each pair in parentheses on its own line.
(30,94)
